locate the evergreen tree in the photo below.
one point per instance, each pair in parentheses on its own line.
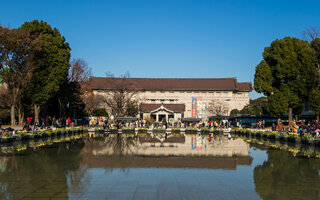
(314,101)
(289,71)
(51,63)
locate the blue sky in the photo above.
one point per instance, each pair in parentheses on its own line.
(169,38)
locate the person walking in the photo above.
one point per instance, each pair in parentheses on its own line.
(68,121)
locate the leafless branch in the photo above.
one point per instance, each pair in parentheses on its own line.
(218,108)
(311,34)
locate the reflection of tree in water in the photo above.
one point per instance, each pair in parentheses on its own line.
(30,173)
(79,179)
(116,147)
(283,176)
(121,147)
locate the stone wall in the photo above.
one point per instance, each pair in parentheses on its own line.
(234,100)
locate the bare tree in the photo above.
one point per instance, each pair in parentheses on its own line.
(79,71)
(121,95)
(16,50)
(76,90)
(311,33)
(218,107)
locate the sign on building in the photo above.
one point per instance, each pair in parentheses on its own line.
(198,107)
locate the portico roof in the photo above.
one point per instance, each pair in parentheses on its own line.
(152,106)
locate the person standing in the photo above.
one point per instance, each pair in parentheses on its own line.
(68,121)
(273,127)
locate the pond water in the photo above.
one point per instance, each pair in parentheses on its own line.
(144,167)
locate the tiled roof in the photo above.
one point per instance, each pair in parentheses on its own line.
(152,106)
(168,162)
(101,83)
(245,87)
(171,139)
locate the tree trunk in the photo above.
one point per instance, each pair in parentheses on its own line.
(317,115)
(44,113)
(61,108)
(36,113)
(13,120)
(290,116)
(21,117)
(296,118)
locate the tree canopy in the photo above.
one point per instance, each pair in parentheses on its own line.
(17,50)
(256,107)
(288,70)
(314,101)
(51,63)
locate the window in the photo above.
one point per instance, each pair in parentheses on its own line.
(171,100)
(153,100)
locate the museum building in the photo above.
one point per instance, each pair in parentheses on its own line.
(176,98)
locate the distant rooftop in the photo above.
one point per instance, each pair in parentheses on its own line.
(201,84)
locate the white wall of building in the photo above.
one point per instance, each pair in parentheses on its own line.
(234,100)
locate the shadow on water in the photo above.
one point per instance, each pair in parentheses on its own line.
(284,176)
(39,174)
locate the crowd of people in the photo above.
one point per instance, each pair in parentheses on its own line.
(107,124)
(301,127)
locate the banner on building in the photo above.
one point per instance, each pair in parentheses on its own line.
(199,107)
(194,107)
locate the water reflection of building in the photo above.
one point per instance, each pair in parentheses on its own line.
(183,146)
(173,152)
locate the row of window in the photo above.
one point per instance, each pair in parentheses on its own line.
(169,100)
(163,100)
(218,94)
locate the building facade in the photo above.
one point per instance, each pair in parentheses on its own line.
(173,99)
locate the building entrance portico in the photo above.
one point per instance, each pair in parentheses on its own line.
(161,112)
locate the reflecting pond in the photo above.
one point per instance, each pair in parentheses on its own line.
(157,167)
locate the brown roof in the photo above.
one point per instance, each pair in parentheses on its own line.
(245,87)
(167,162)
(172,83)
(170,139)
(144,107)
